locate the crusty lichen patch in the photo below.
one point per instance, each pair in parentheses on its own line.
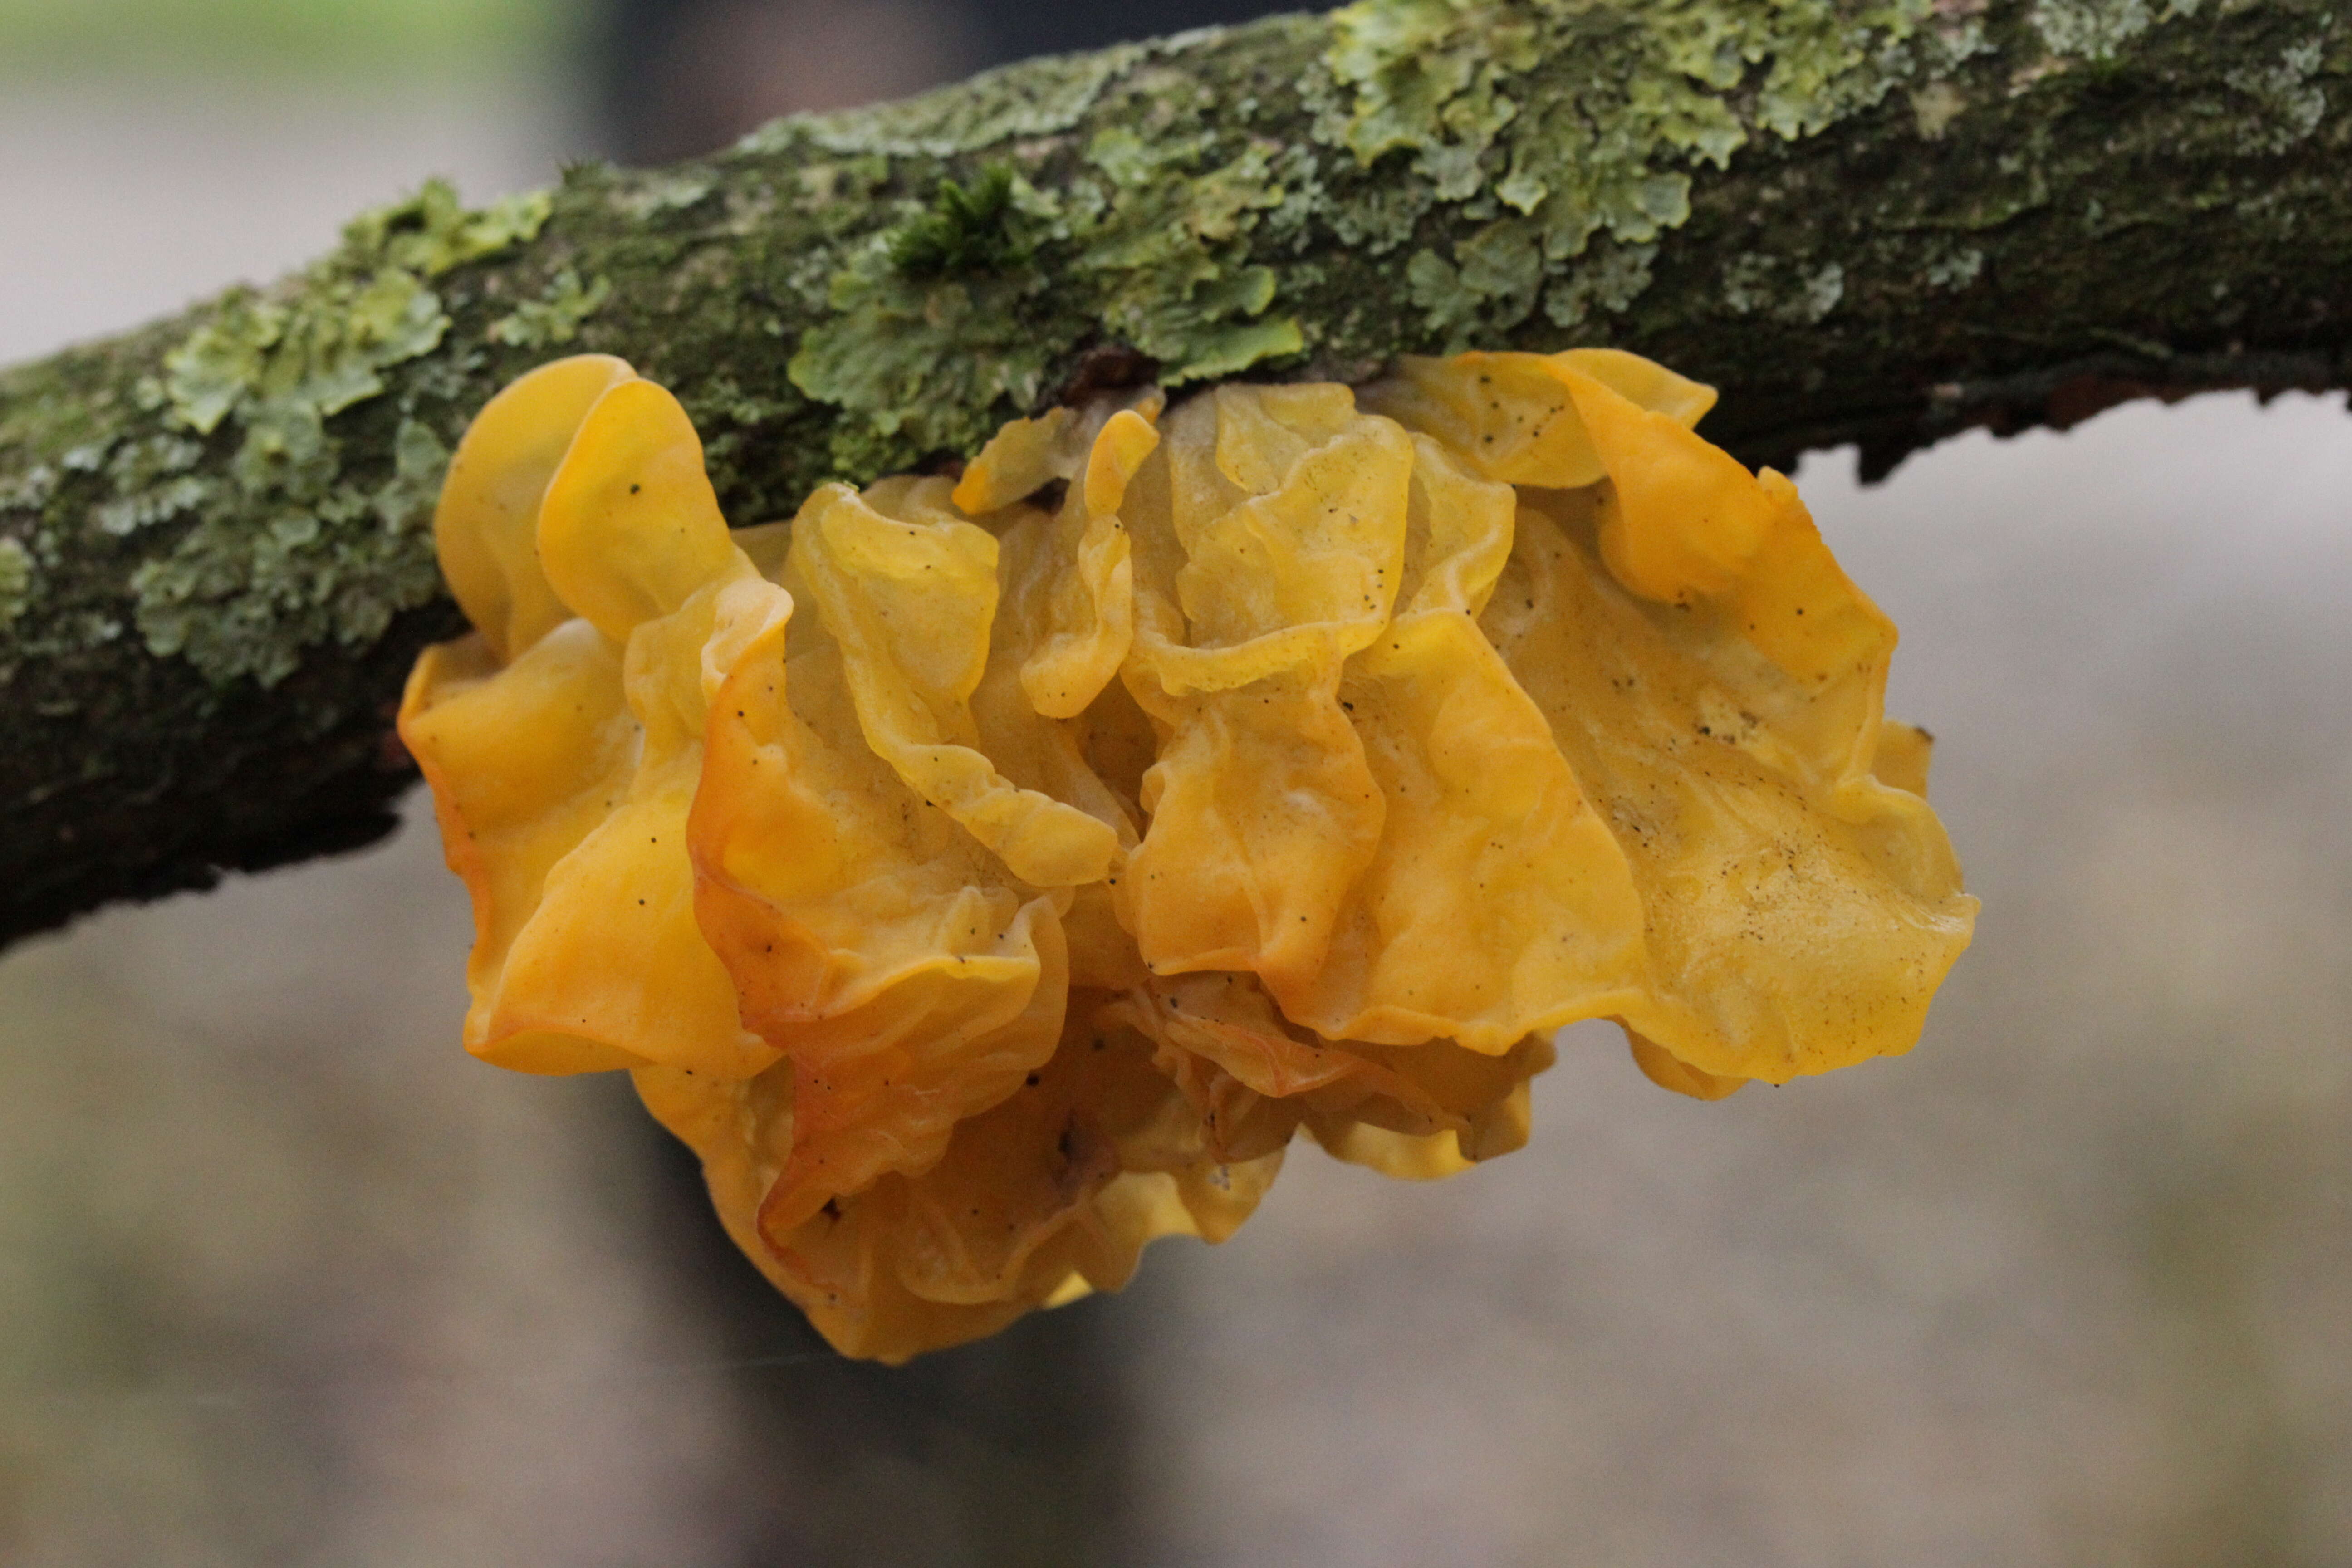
(2291,104)
(1307,195)
(1505,159)
(1040,98)
(16,579)
(555,316)
(2094,30)
(286,550)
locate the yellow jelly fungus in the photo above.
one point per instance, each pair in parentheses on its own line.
(988,876)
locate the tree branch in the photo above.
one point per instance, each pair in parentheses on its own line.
(1872,221)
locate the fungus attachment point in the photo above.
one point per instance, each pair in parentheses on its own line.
(987,877)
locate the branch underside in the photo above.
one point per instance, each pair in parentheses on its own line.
(1875,222)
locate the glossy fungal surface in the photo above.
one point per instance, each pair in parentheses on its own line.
(987,875)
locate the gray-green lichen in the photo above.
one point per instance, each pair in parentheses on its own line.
(1955,269)
(2096,29)
(1399,176)
(15,581)
(1505,159)
(285,549)
(1799,296)
(555,317)
(2291,104)
(1934,107)
(663,191)
(234,600)
(931,337)
(1508,160)
(1039,99)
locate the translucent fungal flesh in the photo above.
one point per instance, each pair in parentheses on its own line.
(988,876)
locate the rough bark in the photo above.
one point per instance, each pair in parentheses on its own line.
(1870,221)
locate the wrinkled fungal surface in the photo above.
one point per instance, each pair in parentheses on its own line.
(988,875)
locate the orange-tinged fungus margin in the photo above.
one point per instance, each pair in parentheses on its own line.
(987,877)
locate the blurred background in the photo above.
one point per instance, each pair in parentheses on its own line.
(285,1277)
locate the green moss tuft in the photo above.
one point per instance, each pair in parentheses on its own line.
(974,231)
